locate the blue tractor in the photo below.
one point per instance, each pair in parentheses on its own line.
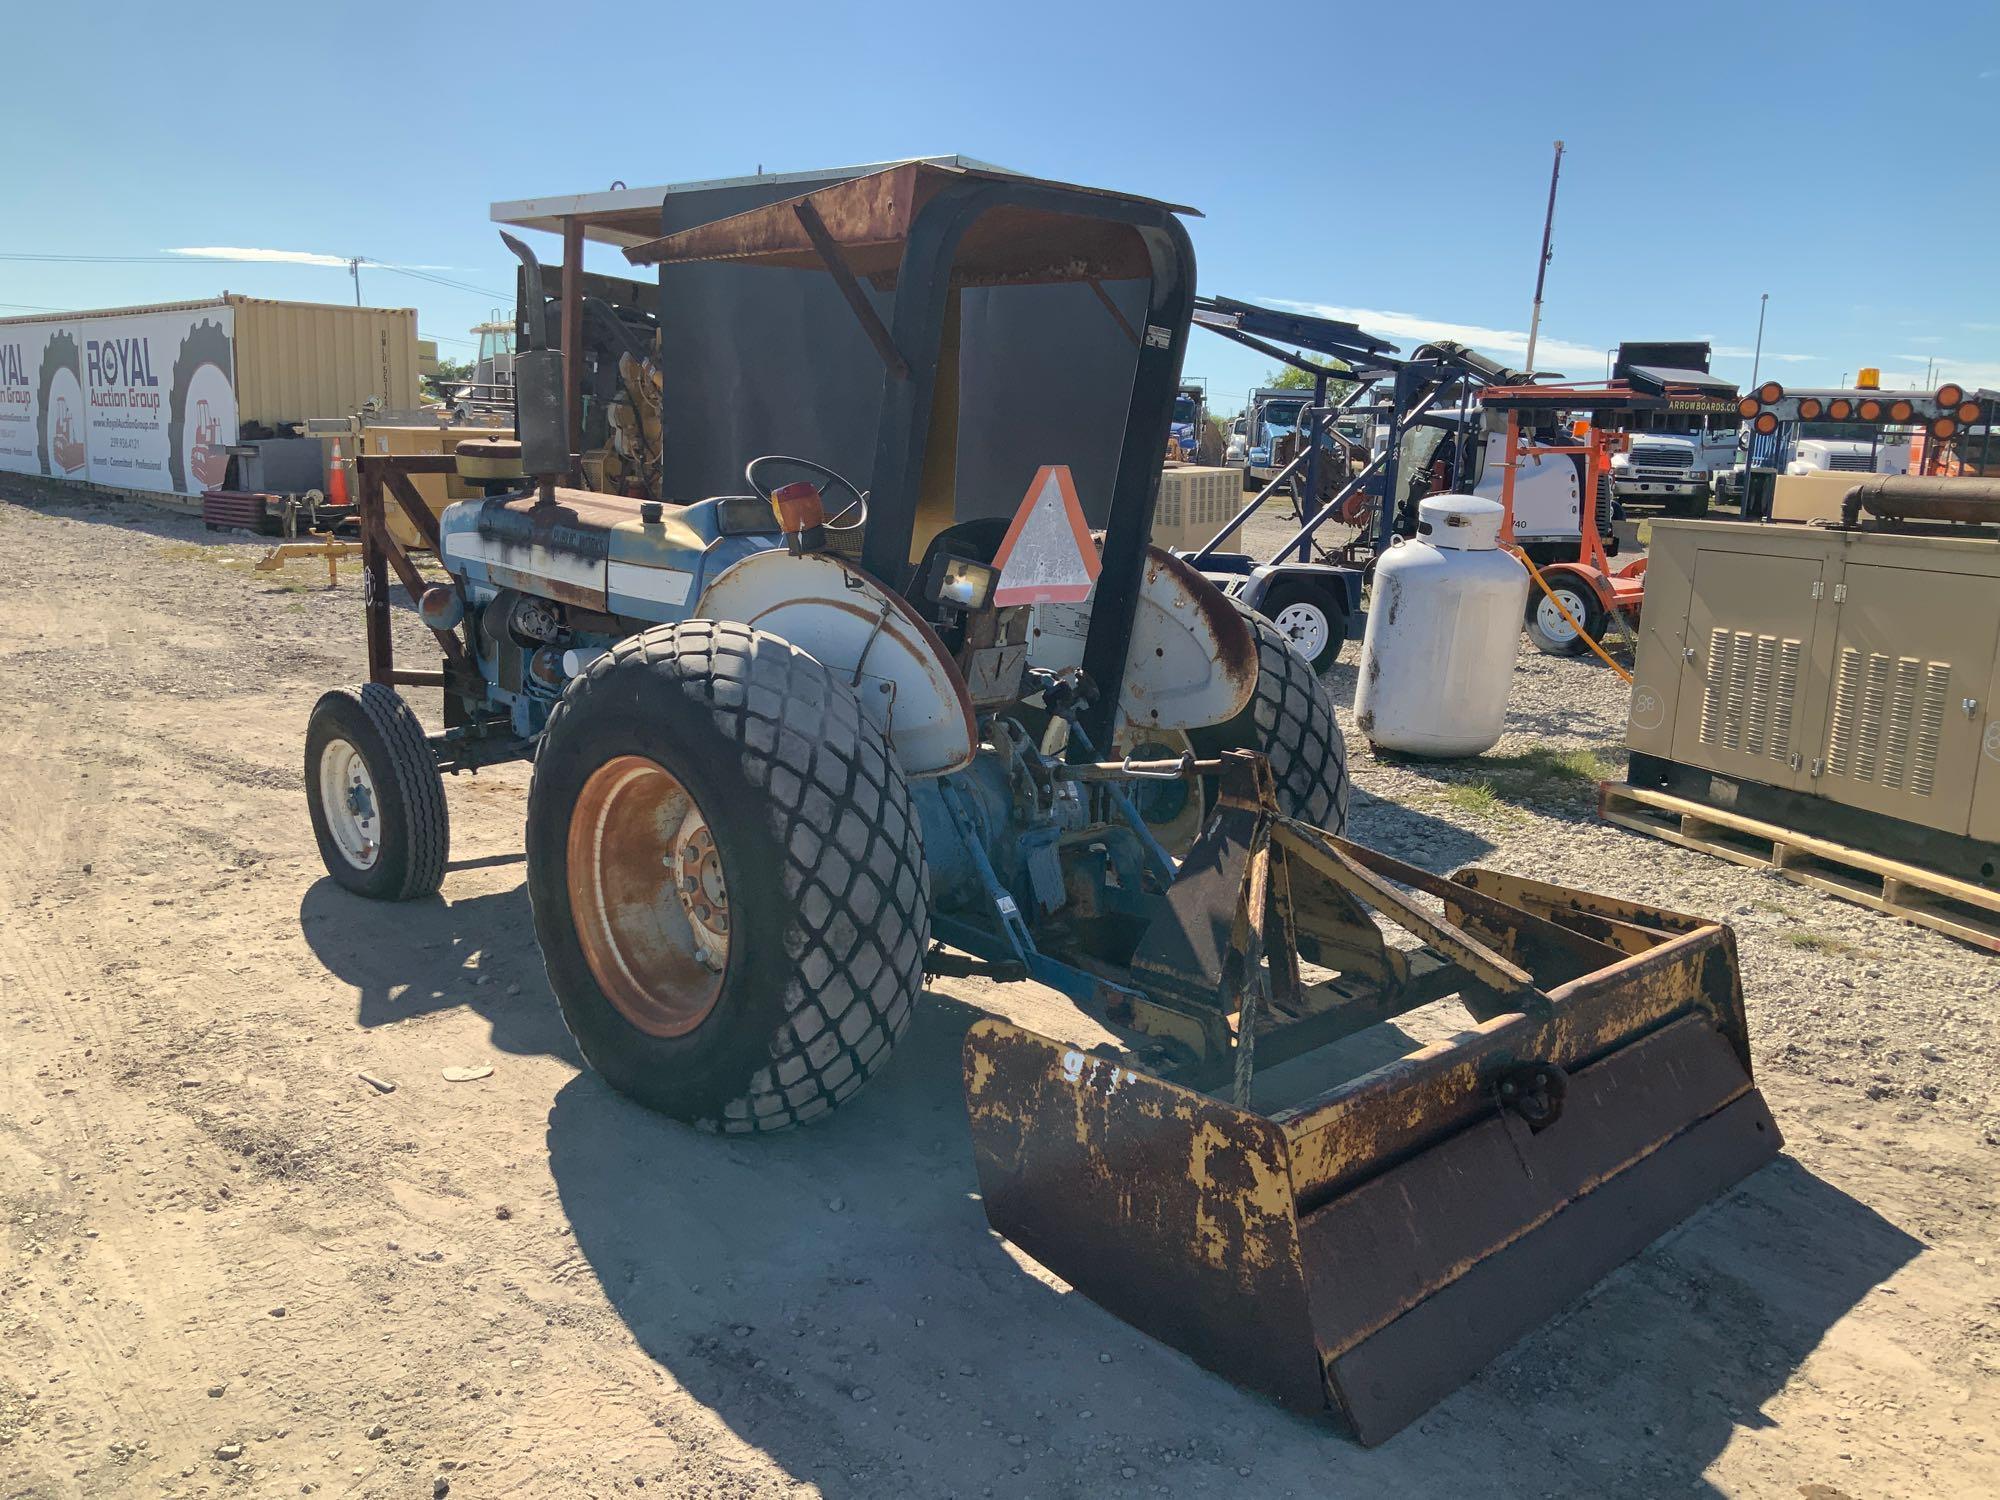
(797,747)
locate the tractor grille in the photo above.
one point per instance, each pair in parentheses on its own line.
(1654,456)
(1851,463)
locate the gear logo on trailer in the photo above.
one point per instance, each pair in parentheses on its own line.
(60,410)
(201,410)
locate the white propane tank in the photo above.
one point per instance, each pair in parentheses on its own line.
(1444,626)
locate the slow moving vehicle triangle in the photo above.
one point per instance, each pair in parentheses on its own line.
(1047,556)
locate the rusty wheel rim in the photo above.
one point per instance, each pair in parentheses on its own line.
(647,895)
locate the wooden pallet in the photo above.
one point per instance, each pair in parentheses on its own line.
(1967,912)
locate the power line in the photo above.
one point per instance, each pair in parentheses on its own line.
(461,286)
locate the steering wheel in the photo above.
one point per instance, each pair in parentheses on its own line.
(827,479)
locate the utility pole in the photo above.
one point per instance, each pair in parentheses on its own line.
(1542,265)
(1757,358)
(354,270)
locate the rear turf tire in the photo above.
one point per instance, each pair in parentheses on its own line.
(377,799)
(828,898)
(1290,719)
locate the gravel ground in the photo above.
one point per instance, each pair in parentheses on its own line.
(232,1266)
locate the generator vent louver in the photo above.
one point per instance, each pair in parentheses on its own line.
(1747,698)
(1888,717)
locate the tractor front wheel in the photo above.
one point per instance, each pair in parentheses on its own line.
(376,796)
(727,880)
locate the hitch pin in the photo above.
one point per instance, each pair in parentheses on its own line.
(1162,770)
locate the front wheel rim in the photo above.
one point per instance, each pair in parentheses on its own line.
(647,895)
(1305,626)
(347,797)
(1553,625)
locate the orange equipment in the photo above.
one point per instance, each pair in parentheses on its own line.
(1588,592)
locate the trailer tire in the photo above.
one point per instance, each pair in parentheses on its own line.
(819,879)
(1310,615)
(377,799)
(1290,719)
(1546,627)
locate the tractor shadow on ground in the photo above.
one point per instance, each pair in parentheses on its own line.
(1409,833)
(414,958)
(835,1296)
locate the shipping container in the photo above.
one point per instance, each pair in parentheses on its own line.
(151,398)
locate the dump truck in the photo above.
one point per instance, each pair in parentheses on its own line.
(795,749)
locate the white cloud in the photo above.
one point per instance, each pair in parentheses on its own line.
(1506,342)
(280,257)
(1578,361)
(1738,351)
(1980,374)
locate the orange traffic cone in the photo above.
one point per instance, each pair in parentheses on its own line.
(336,477)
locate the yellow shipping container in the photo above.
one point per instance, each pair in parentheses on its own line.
(311,359)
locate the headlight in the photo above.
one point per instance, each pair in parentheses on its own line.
(1620,460)
(964,584)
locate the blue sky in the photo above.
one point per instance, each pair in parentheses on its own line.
(1838,157)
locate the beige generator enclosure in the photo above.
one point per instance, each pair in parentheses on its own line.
(1821,698)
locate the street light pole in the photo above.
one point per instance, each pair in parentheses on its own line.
(354,270)
(1757,358)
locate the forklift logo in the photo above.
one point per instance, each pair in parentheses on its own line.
(208,457)
(66,450)
(62,414)
(1047,557)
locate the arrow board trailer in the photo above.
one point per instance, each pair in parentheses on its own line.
(793,752)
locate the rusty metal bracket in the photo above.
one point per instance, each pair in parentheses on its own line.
(1489,968)
(843,277)
(1111,307)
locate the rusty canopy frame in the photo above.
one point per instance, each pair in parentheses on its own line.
(382,476)
(922,230)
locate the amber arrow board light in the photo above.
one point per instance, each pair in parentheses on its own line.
(1047,557)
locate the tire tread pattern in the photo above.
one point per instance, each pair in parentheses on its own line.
(1291,720)
(419,787)
(853,868)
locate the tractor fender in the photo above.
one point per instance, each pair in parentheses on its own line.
(866,633)
(1192,661)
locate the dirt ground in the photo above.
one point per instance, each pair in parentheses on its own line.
(234,1267)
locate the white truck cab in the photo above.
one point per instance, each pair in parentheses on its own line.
(1673,467)
(1848,456)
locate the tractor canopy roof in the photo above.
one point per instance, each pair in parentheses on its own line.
(916,252)
(869,220)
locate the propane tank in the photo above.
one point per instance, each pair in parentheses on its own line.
(1443,629)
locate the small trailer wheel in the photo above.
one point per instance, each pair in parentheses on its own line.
(1309,615)
(1550,632)
(376,796)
